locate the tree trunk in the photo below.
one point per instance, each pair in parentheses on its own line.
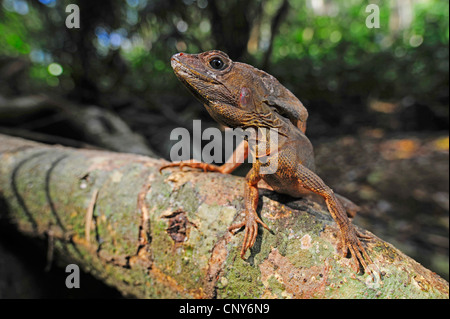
(155,235)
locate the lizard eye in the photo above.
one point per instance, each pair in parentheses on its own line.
(217,63)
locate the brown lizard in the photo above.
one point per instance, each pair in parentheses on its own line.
(239,95)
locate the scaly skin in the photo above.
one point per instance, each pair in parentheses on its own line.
(239,95)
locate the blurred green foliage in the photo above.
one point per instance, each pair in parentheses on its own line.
(322,50)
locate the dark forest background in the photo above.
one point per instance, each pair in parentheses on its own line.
(378,97)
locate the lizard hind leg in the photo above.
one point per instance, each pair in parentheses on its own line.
(351,245)
(351,208)
(350,237)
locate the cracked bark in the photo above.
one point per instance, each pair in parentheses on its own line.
(154,235)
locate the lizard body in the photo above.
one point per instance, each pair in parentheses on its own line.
(239,95)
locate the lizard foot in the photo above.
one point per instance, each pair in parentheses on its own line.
(350,241)
(192,164)
(250,223)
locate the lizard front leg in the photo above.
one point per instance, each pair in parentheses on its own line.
(350,238)
(251,219)
(233,162)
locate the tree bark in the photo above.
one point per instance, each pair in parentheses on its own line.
(155,235)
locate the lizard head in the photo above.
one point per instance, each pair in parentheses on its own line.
(216,80)
(204,75)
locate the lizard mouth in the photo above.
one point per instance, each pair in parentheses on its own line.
(194,80)
(186,76)
(184,71)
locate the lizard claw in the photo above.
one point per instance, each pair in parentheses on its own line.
(250,223)
(351,244)
(365,237)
